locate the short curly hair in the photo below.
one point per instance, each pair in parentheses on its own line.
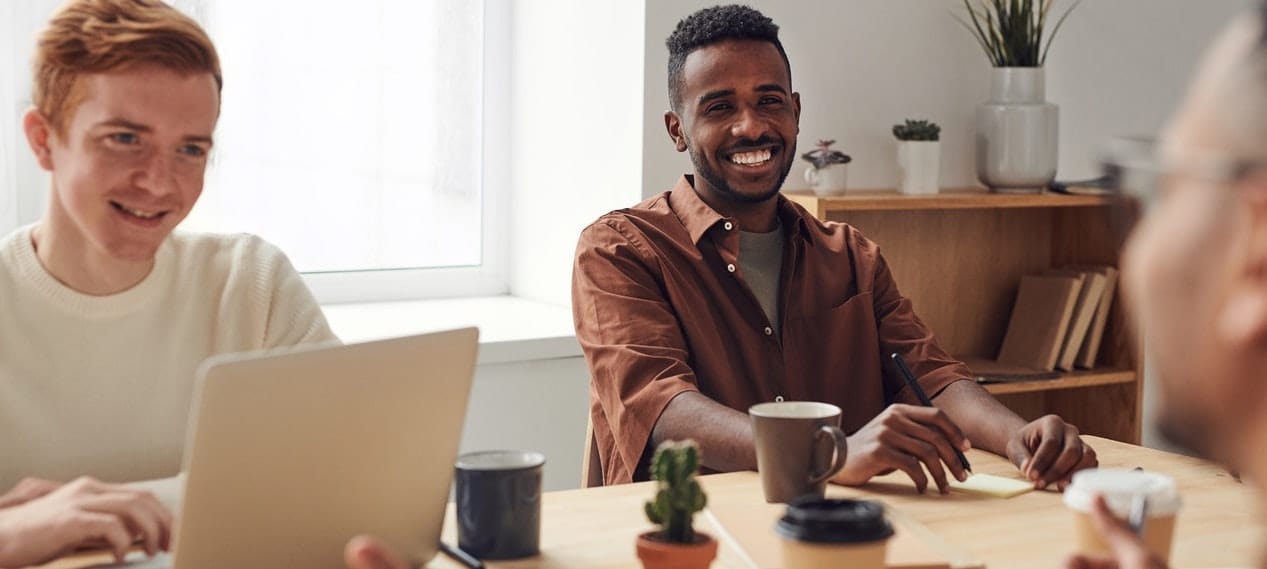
(713,25)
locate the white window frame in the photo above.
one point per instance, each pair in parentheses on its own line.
(24,187)
(492,276)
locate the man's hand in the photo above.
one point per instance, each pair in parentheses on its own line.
(1129,552)
(1048,451)
(82,513)
(365,552)
(26,490)
(902,438)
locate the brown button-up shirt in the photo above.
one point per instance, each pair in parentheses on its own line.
(661,307)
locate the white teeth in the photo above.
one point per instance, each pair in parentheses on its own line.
(139,213)
(750,158)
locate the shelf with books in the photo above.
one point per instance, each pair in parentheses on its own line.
(960,257)
(1071,380)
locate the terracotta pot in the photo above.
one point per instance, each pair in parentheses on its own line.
(657,554)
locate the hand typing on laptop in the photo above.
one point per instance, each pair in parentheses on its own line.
(40,520)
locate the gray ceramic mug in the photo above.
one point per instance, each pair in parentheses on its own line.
(799,446)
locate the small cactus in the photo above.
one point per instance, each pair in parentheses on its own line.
(917,130)
(825,155)
(678,495)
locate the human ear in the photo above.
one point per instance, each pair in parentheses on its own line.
(1243,315)
(673,124)
(39,134)
(796,106)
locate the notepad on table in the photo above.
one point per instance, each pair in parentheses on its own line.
(991,485)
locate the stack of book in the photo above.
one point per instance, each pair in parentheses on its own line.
(1057,325)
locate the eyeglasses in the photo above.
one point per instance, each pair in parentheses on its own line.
(1136,171)
(1134,168)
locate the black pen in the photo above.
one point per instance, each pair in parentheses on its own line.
(461,556)
(923,399)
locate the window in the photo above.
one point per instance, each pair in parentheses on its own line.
(352,135)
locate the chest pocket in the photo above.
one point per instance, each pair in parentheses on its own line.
(834,356)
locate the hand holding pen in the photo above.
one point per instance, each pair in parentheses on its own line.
(917,440)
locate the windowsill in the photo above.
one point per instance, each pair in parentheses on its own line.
(511,329)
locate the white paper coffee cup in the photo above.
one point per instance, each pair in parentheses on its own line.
(1120,487)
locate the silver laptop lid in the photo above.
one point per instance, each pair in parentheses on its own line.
(290,455)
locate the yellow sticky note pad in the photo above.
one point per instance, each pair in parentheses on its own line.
(991,485)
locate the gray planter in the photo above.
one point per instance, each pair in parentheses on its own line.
(1017,132)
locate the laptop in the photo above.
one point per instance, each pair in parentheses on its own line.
(290,455)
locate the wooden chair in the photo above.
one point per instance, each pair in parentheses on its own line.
(591,466)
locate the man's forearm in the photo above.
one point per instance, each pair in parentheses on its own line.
(724,434)
(986,422)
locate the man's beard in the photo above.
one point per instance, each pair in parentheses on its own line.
(716,180)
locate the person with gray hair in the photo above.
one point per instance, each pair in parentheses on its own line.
(1195,270)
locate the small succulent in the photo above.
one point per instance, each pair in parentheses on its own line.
(678,495)
(917,130)
(824,156)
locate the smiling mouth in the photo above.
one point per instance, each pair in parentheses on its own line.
(753,158)
(138,213)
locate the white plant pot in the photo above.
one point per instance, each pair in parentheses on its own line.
(920,161)
(1017,132)
(829,181)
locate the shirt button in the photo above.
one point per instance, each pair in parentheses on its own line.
(729,226)
(730,267)
(769,331)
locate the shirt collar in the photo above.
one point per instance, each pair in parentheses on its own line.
(698,217)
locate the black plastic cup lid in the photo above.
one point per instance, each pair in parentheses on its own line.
(822,520)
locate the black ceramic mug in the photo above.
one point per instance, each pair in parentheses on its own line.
(499,503)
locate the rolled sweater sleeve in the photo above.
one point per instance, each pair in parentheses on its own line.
(632,340)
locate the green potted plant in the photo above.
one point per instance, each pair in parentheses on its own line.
(676,544)
(919,156)
(827,174)
(1017,130)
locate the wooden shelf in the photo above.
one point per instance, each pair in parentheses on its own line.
(1074,380)
(951,198)
(959,256)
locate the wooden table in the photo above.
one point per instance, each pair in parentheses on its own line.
(1218,527)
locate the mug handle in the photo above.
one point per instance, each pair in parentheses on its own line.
(811,177)
(839,453)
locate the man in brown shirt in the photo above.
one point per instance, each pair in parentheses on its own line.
(683,331)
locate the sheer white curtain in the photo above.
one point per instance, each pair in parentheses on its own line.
(350,133)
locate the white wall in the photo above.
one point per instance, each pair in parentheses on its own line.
(539,405)
(577,136)
(1112,75)
(576,153)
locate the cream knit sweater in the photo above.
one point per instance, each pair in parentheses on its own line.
(101,385)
